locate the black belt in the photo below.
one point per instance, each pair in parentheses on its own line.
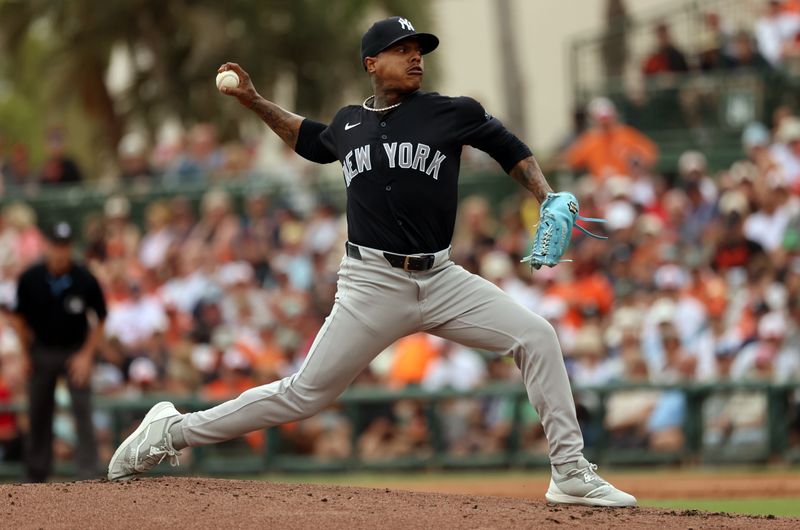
(412,262)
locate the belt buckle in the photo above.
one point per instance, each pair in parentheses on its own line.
(417,263)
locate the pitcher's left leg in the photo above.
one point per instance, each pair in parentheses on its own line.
(472,311)
(469,310)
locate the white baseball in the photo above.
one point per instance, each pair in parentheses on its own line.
(227,79)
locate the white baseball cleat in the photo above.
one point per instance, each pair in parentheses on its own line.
(148,445)
(577,483)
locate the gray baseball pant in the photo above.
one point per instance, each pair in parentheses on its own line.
(375,305)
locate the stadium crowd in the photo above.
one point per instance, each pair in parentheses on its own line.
(699,281)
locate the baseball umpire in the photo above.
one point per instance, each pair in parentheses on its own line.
(400,154)
(61,310)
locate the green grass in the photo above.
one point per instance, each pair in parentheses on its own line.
(778,506)
(785,507)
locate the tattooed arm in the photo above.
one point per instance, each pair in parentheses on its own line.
(284,123)
(528,173)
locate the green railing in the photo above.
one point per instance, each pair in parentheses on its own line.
(75,203)
(125,413)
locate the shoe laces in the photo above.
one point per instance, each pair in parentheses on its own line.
(159,452)
(589,473)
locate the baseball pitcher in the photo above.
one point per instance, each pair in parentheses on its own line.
(400,154)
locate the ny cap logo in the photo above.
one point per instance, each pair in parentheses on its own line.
(405,24)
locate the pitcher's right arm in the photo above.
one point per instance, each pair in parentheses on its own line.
(282,122)
(303,135)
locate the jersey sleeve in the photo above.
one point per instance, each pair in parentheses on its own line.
(315,142)
(485,132)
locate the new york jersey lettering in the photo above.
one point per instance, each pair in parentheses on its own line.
(404,155)
(363,161)
(420,157)
(348,169)
(409,156)
(436,164)
(390,149)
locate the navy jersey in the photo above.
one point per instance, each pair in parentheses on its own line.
(401,166)
(56,309)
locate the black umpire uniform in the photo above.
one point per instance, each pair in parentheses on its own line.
(54,301)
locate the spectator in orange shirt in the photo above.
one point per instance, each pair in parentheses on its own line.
(791,6)
(609,148)
(412,355)
(589,293)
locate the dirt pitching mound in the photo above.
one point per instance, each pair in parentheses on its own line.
(217,504)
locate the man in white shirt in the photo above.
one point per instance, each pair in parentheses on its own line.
(136,319)
(766,225)
(786,152)
(774,31)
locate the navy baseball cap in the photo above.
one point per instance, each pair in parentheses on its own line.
(388,31)
(60,232)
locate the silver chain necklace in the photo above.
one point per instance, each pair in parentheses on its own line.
(384,109)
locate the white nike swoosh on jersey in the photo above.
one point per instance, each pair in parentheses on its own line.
(347,125)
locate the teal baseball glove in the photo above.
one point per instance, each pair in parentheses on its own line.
(557,216)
